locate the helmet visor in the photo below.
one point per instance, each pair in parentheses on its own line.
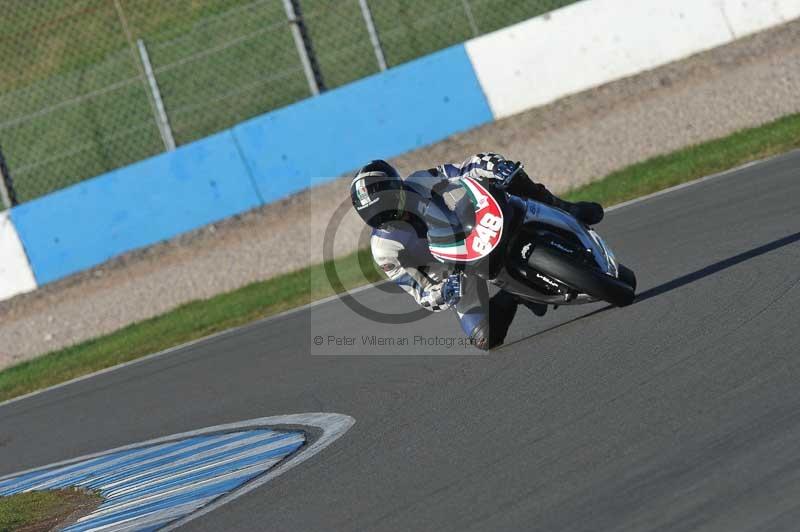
(378,199)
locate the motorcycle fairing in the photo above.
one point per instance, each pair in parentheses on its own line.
(541,213)
(458,240)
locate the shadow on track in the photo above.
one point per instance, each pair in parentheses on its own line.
(716,267)
(680,281)
(554,327)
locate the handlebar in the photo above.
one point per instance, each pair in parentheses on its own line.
(509,174)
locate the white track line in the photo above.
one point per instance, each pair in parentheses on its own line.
(697,181)
(307,306)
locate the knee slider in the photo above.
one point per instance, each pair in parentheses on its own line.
(480,337)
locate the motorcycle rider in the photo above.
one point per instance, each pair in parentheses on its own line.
(392,207)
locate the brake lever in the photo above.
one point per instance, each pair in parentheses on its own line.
(510,177)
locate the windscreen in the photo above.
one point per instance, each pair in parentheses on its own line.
(450,214)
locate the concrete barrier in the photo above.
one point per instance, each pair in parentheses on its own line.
(257,162)
(750,16)
(594,42)
(380,116)
(91,222)
(16,276)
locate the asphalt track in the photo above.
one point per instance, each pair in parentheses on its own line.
(681,412)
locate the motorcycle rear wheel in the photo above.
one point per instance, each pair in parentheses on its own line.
(580,278)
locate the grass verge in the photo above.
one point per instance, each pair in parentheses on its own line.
(187,322)
(45,510)
(693,162)
(200,318)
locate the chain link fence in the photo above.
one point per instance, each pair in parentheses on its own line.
(91,85)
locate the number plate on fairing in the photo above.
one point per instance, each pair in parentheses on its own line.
(486,234)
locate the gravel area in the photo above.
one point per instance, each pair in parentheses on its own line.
(566,144)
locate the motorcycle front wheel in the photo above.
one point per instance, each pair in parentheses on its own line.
(583,279)
(627,276)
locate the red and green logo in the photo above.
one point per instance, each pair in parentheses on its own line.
(486,234)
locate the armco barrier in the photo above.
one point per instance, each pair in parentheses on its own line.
(529,64)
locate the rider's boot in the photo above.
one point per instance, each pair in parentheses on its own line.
(492,328)
(587,212)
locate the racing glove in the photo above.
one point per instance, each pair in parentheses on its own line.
(451,289)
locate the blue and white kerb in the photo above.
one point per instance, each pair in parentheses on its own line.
(145,488)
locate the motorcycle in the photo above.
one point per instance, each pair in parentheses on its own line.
(532,250)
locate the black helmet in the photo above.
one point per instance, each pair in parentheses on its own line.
(377,193)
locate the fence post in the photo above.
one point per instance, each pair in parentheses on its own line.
(7,192)
(470,18)
(373,34)
(162,121)
(304,48)
(136,60)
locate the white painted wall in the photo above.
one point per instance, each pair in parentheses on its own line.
(749,16)
(593,42)
(16,275)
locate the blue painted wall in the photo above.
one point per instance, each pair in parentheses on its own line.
(88,223)
(381,116)
(259,161)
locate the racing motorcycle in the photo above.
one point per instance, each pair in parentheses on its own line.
(532,250)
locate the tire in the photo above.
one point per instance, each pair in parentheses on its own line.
(581,278)
(627,276)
